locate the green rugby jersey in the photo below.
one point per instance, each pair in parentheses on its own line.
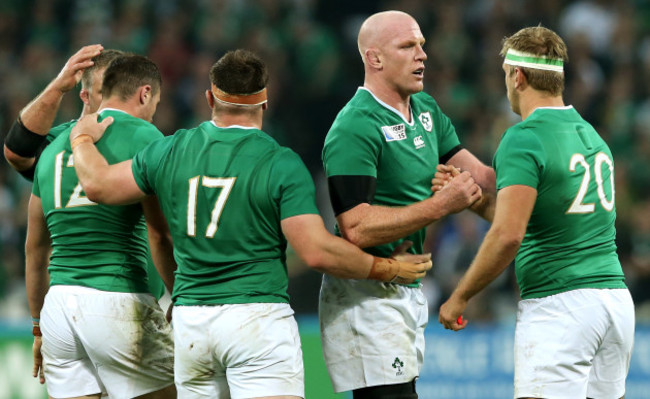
(224,192)
(569,241)
(57,130)
(96,246)
(371,138)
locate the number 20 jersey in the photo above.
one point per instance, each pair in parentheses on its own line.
(569,242)
(93,245)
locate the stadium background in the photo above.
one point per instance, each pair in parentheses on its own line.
(310,48)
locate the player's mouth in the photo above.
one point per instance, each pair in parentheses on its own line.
(419,72)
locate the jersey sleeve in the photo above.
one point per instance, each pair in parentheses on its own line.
(351,147)
(519,159)
(292,186)
(147,163)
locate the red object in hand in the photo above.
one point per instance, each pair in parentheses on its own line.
(459,320)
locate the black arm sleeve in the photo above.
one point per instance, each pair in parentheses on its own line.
(346,192)
(23,141)
(445,158)
(29,173)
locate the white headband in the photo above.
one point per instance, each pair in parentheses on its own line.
(528,60)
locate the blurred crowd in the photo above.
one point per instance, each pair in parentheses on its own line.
(310,48)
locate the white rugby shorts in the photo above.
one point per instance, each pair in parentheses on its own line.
(111,342)
(237,351)
(575,344)
(372,332)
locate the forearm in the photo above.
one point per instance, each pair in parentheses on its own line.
(89,163)
(485,206)
(370,225)
(104,183)
(339,258)
(37,279)
(484,176)
(38,116)
(494,255)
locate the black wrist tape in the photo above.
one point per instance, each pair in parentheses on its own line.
(22,141)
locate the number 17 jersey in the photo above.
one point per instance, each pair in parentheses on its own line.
(569,242)
(224,193)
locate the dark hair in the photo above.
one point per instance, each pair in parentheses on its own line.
(539,41)
(100,61)
(129,72)
(239,72)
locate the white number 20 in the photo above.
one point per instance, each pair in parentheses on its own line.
(578,206)
(226,184)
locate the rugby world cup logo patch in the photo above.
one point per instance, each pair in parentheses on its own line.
(395,132)
(425,120)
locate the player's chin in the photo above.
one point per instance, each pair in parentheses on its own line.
(417,87)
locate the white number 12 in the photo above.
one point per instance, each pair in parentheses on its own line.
(226,184)
(577,206)
(76,199)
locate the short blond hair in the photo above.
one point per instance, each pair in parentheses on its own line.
(539,41)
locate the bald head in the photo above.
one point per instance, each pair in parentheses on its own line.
(379,28)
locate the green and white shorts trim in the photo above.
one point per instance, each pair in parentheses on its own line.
(372,332)
(575,344)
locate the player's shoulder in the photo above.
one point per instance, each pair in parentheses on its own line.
(356,116)
(59,141)
(58,129)
(521,136)
(287,160)
(129,125)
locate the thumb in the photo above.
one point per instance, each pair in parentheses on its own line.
(106,122)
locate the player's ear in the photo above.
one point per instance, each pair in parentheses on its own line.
(145,93)
(373,58)
(84,95)
(521,81)
(209,98)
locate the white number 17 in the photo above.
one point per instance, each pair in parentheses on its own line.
(226,184)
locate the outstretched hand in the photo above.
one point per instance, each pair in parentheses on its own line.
(451,313)
(89,125)
(72,71)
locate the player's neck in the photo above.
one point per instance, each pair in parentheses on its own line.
(402,103)
(225,120)
(129,107)
(529,102)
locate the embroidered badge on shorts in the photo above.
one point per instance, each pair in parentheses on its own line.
(398,364)
(395,132)
(425,120)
